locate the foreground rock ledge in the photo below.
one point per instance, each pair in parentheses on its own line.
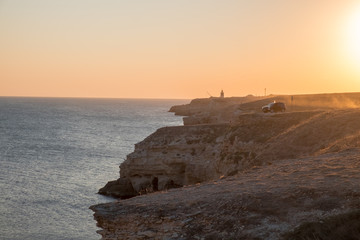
(261,203)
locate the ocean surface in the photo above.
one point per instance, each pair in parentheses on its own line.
(55,153)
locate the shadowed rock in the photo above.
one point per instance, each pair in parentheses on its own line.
(121,188)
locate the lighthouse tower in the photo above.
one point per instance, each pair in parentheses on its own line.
(222,94)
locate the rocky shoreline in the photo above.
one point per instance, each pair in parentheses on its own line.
(261,203)
(232,172)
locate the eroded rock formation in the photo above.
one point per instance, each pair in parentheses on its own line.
(261,203)
(261,174)
(183,155)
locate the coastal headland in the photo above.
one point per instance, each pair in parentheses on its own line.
(234,172)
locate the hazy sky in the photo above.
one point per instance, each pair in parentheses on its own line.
(178,48)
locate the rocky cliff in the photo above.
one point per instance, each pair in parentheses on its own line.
(314,133)
(178,156)
(289,199)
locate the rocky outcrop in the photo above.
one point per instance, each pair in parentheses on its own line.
(267,202)
(244,174)
(121,188)
(177,156)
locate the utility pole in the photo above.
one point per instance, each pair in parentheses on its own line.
(265,92)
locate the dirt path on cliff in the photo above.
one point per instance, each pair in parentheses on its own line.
(261,203)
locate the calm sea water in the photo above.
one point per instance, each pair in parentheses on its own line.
(56,153)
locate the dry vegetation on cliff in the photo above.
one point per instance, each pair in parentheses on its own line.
(294,175)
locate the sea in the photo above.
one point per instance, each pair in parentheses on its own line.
(55,153)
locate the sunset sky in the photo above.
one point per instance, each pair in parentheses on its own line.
(178,48)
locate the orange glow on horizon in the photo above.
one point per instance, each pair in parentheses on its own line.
(178,49)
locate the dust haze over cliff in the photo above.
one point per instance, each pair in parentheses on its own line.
(339,101)
(264,174)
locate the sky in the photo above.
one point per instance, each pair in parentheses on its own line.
(178,49)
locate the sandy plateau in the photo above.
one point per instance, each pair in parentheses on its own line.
(233,172)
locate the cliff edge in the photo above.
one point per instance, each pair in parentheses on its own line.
(242,173)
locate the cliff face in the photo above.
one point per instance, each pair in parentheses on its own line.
(295,154)
(265,202)
(177,156)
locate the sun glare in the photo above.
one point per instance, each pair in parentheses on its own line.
(353,34)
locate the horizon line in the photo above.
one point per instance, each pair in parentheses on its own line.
(154,98)
(129,98)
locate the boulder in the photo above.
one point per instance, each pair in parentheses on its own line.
(120,188)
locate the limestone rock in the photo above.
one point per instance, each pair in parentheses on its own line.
(261,203)
(121,188)
(307,167)
(177,156)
